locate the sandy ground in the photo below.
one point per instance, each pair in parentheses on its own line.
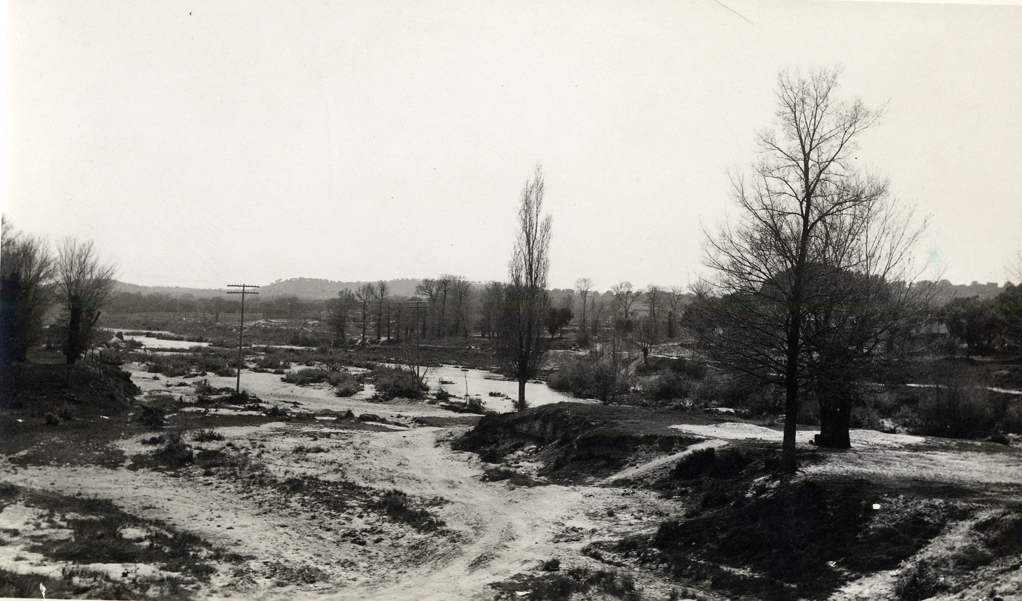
(493,530)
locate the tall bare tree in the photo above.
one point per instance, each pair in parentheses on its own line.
(654,300)
(26,268)
(461,298)
(673,299)
(380,293)
(429,289)
(84,284)
(364,296)
(624,297)
(814,235)
(583,286)
(525,296)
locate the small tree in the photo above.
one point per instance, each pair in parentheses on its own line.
(557,318)
(429,289)
(461,296)
(654,300)
(1009,303)
(363,299)
(84,284)
(525,296)
(673,298)
(645,337)
(624,297)
(338,310)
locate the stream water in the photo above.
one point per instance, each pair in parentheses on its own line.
(480,383)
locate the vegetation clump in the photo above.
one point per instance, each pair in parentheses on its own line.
(395,382)
(396,504)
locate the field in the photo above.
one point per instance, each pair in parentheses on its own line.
(164,484)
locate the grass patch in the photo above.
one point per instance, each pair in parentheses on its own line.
(208,435)
(396,505)
(96,526)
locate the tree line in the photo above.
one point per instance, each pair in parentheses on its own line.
(812,286)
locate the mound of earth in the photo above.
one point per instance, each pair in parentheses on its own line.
(574,442)
(86,387)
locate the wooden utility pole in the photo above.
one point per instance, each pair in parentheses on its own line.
(241,325)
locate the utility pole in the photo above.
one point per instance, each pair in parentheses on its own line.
(241,326)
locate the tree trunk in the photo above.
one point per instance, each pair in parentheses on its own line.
(520,405)
(835,422)
(789,464)
(74,335)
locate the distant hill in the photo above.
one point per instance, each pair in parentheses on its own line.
(167,290)
(304,288)
(312,288)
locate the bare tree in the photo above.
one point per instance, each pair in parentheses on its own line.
(26,268)
(380,293)
(624,296)
(84,284)
(673,299)
(461,297)
(1014,269)
(583,286)
(430,289)
(364,296)
(338,309)
(525,296)
(596,306)
(654,300)
(490,310)
(645,337)
(814,236)
(444,285)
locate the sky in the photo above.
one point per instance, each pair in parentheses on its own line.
(200,144)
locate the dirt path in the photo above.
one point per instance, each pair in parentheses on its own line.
(499,530)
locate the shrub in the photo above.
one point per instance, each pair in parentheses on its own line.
(151,418)
(207,436)
(589,376)
(175,453)
(392,382)
(690,368)
(306,376)
(395,504)
(345,384)
(955,411)
(112,356)
(669,386)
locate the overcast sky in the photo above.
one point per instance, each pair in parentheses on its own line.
(206,143)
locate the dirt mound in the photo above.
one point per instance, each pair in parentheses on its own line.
(574,442)
(88,387)
(749,533)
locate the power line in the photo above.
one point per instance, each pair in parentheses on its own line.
(241,326)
